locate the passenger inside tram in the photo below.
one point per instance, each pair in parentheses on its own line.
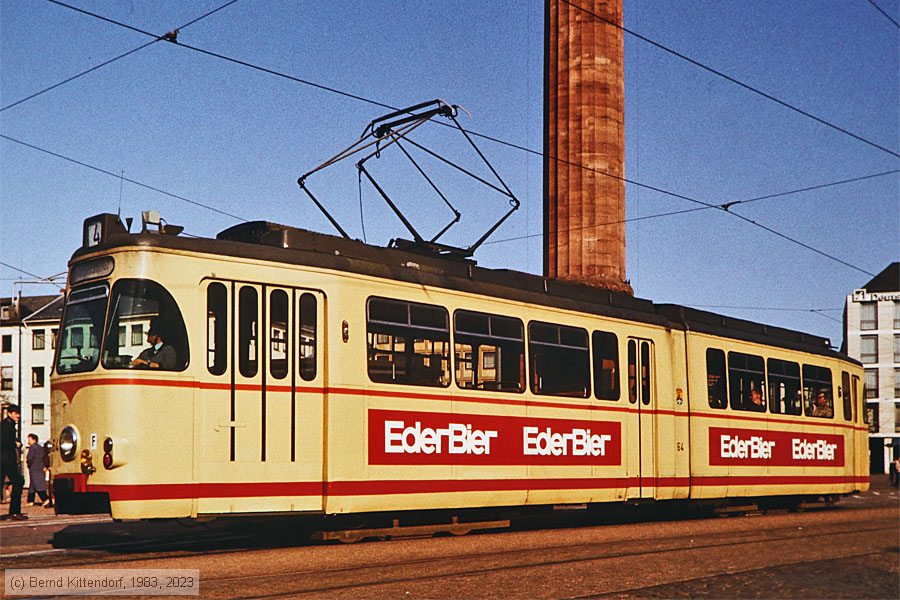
(756,400)
(821,406)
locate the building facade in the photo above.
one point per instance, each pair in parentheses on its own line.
(872,336)
(28,332)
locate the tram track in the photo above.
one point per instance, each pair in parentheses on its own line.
(431,564)
(157,546)
(446,570)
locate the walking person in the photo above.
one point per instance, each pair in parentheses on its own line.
(37,469)
(48,473)
(10,447)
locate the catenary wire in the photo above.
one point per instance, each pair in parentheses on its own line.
(886,16)
(119,176)
(227,58)
(112,60)
(47,279)
(387,106)
(728,205)
(733,80)
(497,140)
(74,77)
(818,311)
(724,206)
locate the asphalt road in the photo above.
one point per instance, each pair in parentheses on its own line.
(850,551)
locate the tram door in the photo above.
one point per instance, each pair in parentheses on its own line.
(642,419)
(261,431)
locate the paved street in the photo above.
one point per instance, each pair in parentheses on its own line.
(846,552)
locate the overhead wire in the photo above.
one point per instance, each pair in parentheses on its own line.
(112,60)
(74,77)
(818,311)
(733,80)
(122,177)
(886,16)
(726,206)
(23,271)
(498,140)
(227,58)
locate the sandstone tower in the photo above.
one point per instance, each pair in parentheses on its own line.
(584,124)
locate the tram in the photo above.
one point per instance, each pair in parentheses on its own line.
(315,375)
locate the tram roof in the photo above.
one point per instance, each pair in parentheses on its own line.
(260,240)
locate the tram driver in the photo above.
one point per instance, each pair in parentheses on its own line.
(159,355)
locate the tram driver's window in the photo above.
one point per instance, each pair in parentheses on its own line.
(146,303)
(490,352)
(606,365)
(408,343)
(818,397)
(784,387)
(747,382)
(560,361)
(715,378)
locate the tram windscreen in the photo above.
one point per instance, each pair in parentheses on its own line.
(79,348)
(144,308)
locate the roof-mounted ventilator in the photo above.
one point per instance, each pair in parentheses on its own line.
(388,130)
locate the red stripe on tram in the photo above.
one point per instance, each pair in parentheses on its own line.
(118,493)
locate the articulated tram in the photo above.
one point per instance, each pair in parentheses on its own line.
(310,374)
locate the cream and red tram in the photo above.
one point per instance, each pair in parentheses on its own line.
(323,376)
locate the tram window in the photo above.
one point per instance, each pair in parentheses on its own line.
(140,301)
(606,365)
(278,334)
(85,307)
(216,328)
(490,352)
(632,371)
(248,328)
(747,382)
(715,378)
(308,334)
(560,362)
(844,392)
(784,387)
(817,392)
(408,343)
(645,373)
(859,401)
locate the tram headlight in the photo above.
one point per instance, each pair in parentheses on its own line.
(68,442)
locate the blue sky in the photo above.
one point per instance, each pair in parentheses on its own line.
(226,136)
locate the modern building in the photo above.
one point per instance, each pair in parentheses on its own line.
(872,335)
(28,331)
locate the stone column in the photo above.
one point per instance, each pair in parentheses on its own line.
(584,125)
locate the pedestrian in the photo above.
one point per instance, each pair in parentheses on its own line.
(35,459)
(48,473)
(10,448)
(895,472)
